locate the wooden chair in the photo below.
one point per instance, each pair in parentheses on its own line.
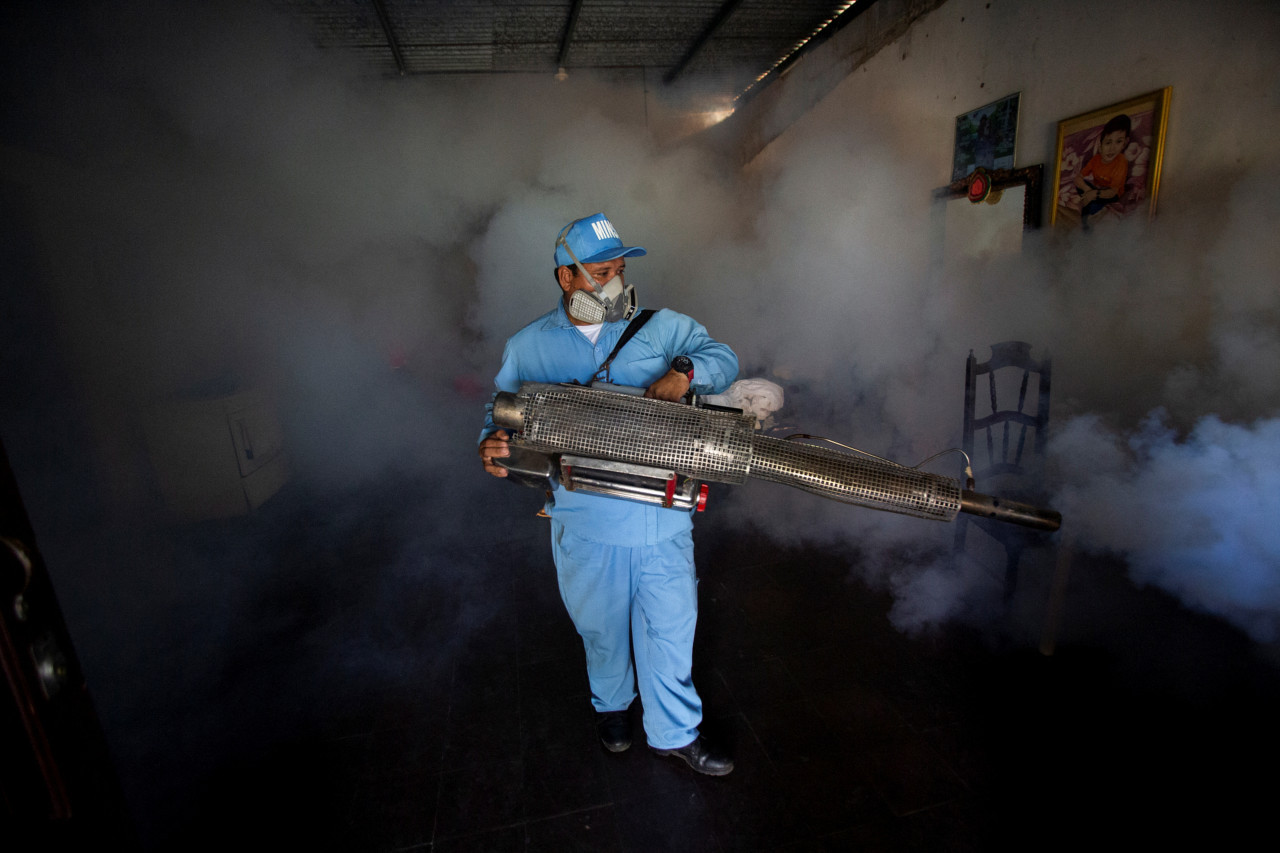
(1008,462)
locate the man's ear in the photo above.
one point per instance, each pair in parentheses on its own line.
(564,275)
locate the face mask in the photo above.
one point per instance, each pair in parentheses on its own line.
(605,303)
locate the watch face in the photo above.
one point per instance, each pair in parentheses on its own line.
(682,363)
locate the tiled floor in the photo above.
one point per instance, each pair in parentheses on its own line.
(363,692)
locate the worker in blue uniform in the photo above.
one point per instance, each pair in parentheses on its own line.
(625,568)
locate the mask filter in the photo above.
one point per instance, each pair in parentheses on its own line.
(605,304)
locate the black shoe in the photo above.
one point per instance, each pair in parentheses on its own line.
(614,729)
(701,757)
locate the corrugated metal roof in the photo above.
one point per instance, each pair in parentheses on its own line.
(705,44)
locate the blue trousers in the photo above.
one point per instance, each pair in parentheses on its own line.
(635,601)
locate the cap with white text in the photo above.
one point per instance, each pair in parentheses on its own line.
(593,239)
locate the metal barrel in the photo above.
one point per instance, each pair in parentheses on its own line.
(705,444)
(855,479)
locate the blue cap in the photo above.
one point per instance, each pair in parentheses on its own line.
(593,239)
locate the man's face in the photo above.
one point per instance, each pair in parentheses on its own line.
(1112,144)
(602,272)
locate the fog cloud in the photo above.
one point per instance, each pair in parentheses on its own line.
(217,204)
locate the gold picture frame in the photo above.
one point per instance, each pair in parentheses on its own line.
(1087,185)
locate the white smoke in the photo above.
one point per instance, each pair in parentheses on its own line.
(225,201)
(1164,338)
(251,208)
(1192,514)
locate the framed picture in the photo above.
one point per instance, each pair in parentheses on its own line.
(985,137)
(1108,162)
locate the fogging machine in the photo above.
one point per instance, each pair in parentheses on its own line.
(613,441)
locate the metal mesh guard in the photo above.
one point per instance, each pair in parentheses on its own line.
(855,479)
(706,444)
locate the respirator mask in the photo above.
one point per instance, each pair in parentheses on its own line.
(604,303)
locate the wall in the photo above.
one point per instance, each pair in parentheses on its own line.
(1220,60)
(894,115)
(1163,332)
(771,108)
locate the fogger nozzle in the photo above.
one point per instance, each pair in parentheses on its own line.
(721,446)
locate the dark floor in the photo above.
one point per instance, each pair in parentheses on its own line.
(359,696)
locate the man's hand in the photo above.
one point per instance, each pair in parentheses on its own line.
(673,385)
(495,445)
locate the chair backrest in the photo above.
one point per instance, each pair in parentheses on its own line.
(1012,411)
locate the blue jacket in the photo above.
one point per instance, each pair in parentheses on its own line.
(551,349)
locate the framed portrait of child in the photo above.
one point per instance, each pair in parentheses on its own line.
(1108,162)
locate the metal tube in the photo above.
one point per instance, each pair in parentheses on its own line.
(1013,512)
(704,444)
(854,479)
(508,411)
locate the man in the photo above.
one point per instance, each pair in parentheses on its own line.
(625,568)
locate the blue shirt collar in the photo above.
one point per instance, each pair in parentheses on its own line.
(559,319)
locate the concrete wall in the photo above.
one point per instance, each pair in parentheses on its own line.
(1066,58)
(874,149)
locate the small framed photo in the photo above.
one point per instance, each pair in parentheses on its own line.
(985,138)
(1108,162)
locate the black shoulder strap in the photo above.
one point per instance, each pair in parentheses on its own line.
(627,334)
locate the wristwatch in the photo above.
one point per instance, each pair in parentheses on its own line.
(683,364)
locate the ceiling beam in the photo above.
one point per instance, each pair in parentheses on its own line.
(726,9)
(385,20)
(569,27)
